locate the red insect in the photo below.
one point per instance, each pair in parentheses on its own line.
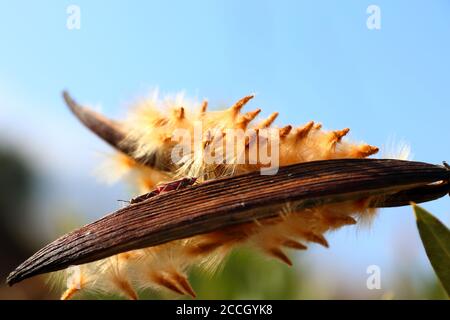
(166,187)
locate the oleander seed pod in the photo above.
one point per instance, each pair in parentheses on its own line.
(145,144)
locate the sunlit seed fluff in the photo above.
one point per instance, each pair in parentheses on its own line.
(78,279)
(150,126)
(116,276)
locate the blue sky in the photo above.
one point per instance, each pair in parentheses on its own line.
(309,60)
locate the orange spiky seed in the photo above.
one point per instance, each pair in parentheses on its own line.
(69,293)
(249,116)
(268,122)
(365,151)
(125,287)
(238,105)
(280,255)
(179,113)
(246,118)
(303,131)
(184,284)
(167,282)
(285,131)
(336,136)
(204,106)
(289,243)
(317,238)
(339,221)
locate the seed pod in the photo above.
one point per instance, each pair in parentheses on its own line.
(225,202)
(113,133)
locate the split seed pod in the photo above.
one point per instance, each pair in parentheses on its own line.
(159,238)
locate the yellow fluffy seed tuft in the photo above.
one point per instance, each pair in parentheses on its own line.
(149,128)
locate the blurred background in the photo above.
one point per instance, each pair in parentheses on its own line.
(309,60)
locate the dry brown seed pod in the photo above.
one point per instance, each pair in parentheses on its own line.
(224,202)
(111,132)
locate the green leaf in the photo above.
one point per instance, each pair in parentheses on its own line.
(436,240)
